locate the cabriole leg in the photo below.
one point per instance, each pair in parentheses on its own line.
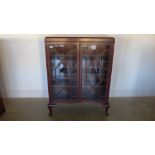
(106,110)
(50,107)
(106,107)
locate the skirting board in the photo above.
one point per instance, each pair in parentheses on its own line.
(44,93)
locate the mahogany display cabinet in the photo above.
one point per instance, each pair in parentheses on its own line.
(79,69)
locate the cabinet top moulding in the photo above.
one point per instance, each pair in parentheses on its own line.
(80,39)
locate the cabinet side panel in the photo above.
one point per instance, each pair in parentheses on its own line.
(109,72)
(48,68)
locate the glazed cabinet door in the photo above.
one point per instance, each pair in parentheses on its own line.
(63,71)
(95,71)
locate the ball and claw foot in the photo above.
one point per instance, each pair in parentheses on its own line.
(50,111)
(106,111)
(106,107)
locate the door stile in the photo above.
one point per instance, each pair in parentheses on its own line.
(78,72)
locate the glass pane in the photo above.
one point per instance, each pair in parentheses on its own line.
(94,71)
(64,71)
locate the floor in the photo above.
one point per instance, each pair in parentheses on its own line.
(122,109)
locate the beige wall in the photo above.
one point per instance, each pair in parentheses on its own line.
(22,59)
